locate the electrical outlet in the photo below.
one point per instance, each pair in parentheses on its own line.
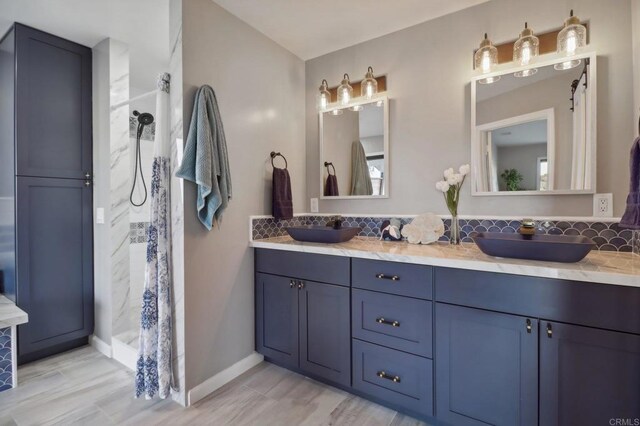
(603,205)
(100,215)
(314,205)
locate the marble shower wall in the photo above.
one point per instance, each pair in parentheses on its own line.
(177,208)
(119,186)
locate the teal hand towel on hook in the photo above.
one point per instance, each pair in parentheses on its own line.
(205,160)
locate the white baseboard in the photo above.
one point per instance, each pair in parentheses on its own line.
(100,345)
(124,354)
(222,378)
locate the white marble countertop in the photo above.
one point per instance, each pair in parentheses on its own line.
(597,267)
(10,314)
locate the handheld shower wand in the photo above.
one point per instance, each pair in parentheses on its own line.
(144,119)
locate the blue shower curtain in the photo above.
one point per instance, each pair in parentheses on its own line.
(154,373)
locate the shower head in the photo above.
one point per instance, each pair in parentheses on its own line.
(144,118)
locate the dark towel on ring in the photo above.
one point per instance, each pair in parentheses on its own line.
(331,186)
(631,217)
(281,194)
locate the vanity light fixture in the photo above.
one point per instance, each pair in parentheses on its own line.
(368,86)
(345,91)
(324,96)
(336,112)
(357,108)
(570,39)
(485,59)
(525,49)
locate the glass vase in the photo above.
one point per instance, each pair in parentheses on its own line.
(454,231)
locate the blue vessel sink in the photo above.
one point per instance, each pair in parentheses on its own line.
(322,234)
(551,248)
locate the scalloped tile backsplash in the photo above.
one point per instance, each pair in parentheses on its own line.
(607,236)
(6,367)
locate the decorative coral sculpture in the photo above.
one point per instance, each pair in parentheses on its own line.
(424,229)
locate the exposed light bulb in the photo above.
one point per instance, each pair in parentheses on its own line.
(526,53)
(369,91)
(324,96)
(323,102)
(486,62)
(572,43)
(345,97)
(345,91)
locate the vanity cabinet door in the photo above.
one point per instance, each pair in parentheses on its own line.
(325,339)
(588,376)
(277,319)
(486,367)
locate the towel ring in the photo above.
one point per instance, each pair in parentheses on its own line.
(327,164)
(277,154)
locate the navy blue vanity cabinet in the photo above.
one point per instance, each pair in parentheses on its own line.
(301,322)
(486,367)
(47,187)
(587,358)
(588,376)
(392,327)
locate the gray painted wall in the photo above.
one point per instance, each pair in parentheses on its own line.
(260,90)
(428,69)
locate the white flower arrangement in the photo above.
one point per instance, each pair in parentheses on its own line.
(424,229)
(450,187)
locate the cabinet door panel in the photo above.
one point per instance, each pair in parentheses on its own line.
(277,319)
(588,376)
(55,261)
(53,101)
(486,367)
(325,339)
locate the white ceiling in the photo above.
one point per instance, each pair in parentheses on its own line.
(311,28)
(143,24)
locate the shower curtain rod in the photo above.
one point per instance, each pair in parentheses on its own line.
(136,98)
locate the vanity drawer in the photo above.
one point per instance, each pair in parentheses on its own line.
(392,376)
(304,266)
(395,321)
(402,279)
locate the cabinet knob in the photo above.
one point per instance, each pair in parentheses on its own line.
(528,325)
(300,285)
(549,330)
(292,284)
(387,277)
(87,183)
(383,375)
(381,320)
(87,175)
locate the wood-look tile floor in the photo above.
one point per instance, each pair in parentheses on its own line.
(83,387)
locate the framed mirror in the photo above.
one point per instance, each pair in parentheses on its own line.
(354,150)
(535,135)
